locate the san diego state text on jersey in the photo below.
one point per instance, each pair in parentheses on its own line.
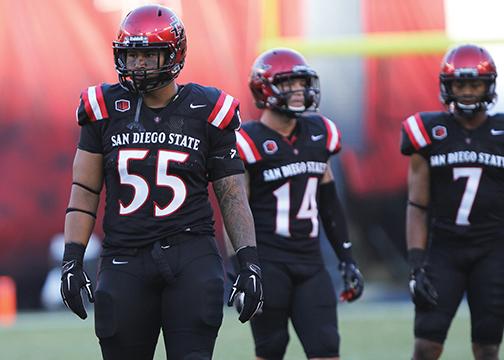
(158,161)
(284,177)
(467,175)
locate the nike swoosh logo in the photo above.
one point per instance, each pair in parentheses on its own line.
(412,285)
(192,106)
(347,245)
(254,281)
(68,265)
(117,262)
(317,137)
(68,281)
(496,132)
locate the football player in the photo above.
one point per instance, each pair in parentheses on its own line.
(157,144)
(286,155)
(455,212)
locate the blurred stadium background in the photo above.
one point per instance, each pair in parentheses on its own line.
(378,61)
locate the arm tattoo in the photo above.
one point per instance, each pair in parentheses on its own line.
(235,210)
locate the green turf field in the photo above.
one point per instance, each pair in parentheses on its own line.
(369,331)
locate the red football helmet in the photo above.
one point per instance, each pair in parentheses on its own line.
(150,28)
(467,62)
(276,66)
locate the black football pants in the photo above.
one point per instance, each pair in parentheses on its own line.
(458,267)
(305,294)
(176,288)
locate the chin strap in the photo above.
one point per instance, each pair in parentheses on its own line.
(469,110)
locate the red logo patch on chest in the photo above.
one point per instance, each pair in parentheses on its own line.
(270,147)
(122,105)
(439,132)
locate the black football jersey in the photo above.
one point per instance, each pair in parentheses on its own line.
(158,162)
(466,171)
(284,175)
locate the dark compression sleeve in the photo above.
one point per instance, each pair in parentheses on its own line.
(334,221)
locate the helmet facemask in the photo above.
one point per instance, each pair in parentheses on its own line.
(463,64)
(275,79)
(160,67)
(156,33)
(283,90)
(468,106)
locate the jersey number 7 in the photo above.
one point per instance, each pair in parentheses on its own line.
(473,176)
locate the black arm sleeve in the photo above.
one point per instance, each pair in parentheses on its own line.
(90,138)
(223,158)
(334,221)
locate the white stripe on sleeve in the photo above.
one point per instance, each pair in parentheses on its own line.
(415,130)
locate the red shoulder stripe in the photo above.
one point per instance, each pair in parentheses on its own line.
(247,148)
(87,105)
(422,128)
(101,102)
(416,132)
(338,145)
(94,103)
(217,107)
(333,143)
(223,111)
(409,132)
(229,115)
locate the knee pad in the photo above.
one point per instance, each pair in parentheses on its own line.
(105,317)
(487,331)
(212,303)
(324,343)
(274,347)
(433,327)
(198,355)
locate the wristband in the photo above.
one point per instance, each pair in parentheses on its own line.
(247,255)
(74,251)
(416,258)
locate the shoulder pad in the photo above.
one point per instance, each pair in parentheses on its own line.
(498,117)
(415,135)
(225,113)
(246,147)
(333,141)
(92,105)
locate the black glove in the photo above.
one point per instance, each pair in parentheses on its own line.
(232,268)
(74,278)
(423,293)
(247,293)
(352,281)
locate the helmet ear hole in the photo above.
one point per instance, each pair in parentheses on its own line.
(266,89)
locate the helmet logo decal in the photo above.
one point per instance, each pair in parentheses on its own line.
(122,105)
(439,132)
(270,147)
(176,27)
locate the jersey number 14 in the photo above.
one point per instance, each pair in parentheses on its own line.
(307,210)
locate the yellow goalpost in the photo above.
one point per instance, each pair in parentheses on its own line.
(370,44)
